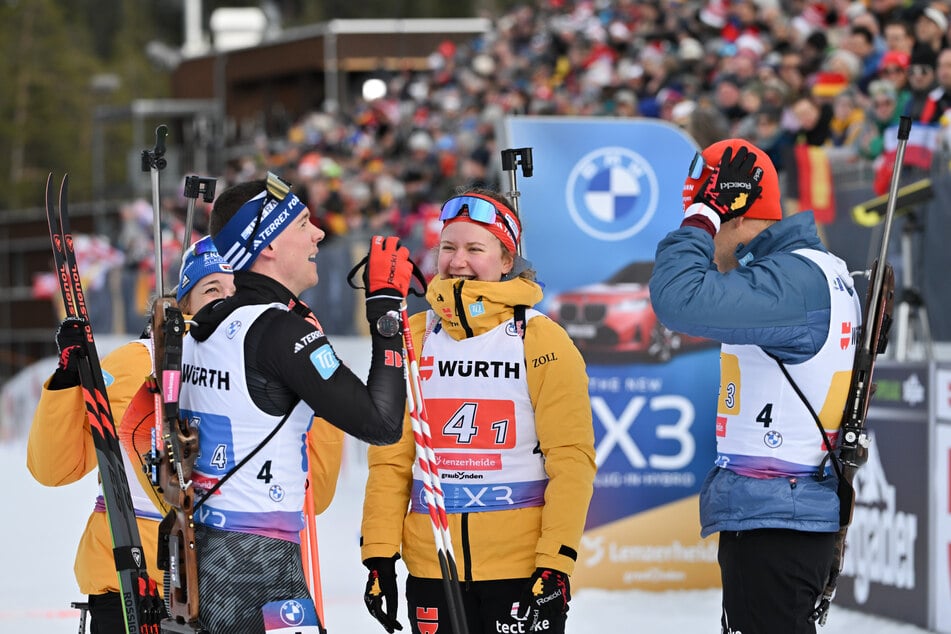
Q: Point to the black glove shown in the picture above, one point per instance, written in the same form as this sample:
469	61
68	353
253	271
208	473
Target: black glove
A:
71	345
389	270
545	599
381	588
733	185
151	606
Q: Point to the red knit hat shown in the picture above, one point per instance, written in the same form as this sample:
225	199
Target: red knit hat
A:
768	206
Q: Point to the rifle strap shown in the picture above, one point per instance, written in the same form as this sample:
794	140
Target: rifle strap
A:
845	491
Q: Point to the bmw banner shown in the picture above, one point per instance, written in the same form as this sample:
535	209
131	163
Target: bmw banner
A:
602	195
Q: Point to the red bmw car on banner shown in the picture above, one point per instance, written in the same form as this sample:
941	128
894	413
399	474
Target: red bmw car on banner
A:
614	320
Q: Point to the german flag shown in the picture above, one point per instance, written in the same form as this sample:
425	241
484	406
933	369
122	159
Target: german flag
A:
815	182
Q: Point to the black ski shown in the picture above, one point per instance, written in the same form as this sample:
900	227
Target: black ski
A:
143	609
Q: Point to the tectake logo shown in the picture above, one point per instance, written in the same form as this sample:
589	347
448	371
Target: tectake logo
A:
324	359
612	193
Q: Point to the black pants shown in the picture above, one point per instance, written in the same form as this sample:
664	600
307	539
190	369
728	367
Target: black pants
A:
772	579
105	613
488	607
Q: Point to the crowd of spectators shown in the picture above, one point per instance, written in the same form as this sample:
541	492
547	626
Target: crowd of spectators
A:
833	74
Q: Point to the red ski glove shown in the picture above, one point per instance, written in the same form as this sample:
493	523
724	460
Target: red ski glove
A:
389	270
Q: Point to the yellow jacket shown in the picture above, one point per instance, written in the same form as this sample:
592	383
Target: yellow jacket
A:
499	544
60	451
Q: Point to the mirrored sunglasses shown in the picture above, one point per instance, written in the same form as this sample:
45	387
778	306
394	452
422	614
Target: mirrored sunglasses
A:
478	209
696	166
203	246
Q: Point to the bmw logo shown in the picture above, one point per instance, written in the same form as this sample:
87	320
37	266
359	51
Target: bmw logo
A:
773	439
233	328
612	193
276	492
292	612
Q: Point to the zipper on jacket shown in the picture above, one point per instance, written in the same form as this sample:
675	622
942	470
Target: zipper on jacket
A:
457	299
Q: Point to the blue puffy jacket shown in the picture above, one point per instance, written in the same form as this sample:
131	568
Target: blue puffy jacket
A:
778	301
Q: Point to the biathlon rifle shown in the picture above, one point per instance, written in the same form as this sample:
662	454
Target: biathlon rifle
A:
873	338
174	443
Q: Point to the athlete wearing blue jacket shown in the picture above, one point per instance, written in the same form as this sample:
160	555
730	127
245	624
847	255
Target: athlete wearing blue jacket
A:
771	293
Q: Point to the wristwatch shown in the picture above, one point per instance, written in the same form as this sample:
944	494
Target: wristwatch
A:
388	325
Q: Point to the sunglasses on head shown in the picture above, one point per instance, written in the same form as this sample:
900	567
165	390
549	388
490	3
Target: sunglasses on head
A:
278	189
478	209
697	166
203	246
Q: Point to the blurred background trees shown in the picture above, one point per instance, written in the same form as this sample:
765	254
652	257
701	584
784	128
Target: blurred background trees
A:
63	58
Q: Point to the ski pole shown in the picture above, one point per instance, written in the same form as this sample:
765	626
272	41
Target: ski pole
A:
154	161
511	159
432	487
310	556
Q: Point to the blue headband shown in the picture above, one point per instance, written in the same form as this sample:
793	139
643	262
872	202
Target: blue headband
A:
264	216
200	260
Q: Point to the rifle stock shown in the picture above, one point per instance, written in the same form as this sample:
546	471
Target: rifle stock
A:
177	451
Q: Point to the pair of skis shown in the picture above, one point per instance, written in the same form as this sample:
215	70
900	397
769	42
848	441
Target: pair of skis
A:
143	608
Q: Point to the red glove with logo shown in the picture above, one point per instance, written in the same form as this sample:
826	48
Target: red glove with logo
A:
389	270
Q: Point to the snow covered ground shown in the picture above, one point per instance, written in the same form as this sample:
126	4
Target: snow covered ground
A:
37	584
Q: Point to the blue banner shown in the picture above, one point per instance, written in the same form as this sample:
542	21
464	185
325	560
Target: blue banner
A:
603	193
